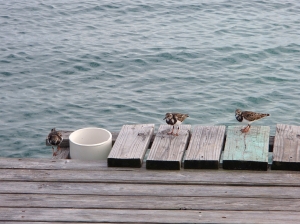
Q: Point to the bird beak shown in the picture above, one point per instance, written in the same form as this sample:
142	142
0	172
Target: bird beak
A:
164	119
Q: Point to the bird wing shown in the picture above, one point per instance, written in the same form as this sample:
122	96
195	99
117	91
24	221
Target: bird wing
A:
180	116
252	116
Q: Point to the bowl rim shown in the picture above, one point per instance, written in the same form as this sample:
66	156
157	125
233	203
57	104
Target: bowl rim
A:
97	144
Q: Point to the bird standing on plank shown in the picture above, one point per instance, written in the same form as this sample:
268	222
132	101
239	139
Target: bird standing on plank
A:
248	117
55	139
175	119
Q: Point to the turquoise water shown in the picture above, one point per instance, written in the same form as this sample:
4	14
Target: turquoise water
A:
75	64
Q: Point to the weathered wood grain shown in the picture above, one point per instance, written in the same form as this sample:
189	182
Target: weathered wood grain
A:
54	222
65	154
209	177
246	150
167	150
146	202
205	147
55	164
152	190
130	146
68	164
74	191
286	152
145	216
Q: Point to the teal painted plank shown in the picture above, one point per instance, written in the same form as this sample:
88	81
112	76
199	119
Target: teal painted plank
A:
247	151
270	159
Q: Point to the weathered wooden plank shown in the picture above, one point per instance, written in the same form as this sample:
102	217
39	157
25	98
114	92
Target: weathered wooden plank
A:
146	216
16	222
153	190
68	164
146	202
56	164
130	146
65	144
205	147
246	150
209	177
167	150
286	152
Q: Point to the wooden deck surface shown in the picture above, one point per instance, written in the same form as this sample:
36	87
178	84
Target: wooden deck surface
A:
246	151
74	191
167	150
130	146
287	148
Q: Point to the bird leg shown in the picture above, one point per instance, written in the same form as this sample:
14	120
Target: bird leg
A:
54	153
246	129
170	133
57	149
177	131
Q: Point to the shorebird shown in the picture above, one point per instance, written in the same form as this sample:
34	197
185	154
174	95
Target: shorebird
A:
175	119
248	117
55	139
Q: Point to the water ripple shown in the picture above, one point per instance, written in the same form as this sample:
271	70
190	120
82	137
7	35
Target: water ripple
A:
76	64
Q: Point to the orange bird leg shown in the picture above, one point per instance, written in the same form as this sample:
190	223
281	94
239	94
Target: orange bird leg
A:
169	133
177	131
246	129
54	153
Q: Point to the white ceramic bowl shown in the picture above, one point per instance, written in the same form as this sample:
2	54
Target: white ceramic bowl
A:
90	144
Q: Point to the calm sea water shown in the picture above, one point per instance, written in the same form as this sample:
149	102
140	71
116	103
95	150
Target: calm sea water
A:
74	64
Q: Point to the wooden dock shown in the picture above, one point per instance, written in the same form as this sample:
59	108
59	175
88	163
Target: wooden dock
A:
179	180
74	191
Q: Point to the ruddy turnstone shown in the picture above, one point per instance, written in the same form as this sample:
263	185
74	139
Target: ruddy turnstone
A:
55	139
248	117
175	119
